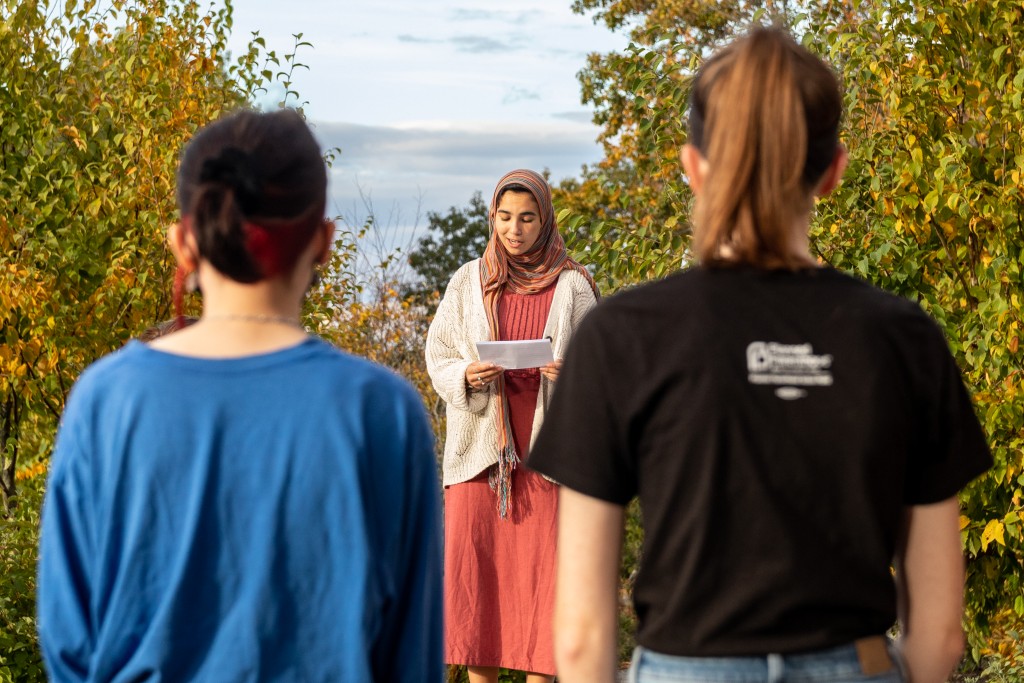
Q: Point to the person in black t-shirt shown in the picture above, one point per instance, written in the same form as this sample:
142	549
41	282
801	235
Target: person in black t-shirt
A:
791	432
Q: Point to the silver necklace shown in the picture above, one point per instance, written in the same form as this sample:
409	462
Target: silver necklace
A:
255	318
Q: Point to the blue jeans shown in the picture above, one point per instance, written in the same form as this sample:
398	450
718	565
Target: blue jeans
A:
837	665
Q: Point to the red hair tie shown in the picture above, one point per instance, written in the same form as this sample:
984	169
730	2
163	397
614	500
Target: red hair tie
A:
275	250
178	296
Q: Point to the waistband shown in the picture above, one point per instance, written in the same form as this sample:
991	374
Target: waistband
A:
873	656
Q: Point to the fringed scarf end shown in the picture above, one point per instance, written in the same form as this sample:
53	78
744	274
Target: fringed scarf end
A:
500	478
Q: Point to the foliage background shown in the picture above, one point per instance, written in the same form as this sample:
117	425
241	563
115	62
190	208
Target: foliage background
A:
96	101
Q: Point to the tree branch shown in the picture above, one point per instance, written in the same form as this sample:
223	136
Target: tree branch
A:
971	299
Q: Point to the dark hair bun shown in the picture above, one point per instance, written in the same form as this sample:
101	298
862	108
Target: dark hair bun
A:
235	169
253	188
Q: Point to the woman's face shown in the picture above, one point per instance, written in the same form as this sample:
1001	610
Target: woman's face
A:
517	222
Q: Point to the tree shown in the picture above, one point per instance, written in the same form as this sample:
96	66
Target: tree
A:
96	105
930	208
455	238
630	206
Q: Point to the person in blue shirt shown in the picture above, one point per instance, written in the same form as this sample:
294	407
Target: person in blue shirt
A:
238	500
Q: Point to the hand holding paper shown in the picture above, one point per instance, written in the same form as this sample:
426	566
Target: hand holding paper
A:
515	355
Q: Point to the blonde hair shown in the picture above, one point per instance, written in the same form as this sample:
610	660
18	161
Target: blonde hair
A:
765	113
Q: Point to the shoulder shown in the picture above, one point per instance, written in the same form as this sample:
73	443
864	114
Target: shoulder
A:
110	370
467	274
110	381
344	370
654	297
387	405
879	305
322	379
576	283
574	278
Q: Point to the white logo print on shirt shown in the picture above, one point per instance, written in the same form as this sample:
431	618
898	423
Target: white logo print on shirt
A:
788	365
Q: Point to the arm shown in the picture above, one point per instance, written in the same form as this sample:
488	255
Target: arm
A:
410	643
583	300
582	303
589	546
930	585
66	634
446	365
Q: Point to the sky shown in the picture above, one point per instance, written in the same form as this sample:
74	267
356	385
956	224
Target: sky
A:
432	100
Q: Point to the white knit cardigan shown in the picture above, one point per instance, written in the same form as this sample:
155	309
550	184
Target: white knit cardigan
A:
471	445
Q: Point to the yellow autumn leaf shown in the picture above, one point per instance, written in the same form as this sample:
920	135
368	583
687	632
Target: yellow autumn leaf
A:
964	521
994	531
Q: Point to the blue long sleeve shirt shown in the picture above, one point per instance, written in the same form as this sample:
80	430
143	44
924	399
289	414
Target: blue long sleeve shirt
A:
266	518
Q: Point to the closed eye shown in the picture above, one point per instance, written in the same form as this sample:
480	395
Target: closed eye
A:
525	217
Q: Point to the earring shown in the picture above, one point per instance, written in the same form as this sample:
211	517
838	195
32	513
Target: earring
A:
192	282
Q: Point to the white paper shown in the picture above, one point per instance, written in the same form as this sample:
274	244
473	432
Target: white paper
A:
515	355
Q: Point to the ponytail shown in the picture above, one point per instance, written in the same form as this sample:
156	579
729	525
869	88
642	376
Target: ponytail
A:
765	114
223	238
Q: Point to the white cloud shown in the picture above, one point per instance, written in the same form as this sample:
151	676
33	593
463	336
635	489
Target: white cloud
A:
438	99
480	44
581	116
385	62
431	167
407	38
517	94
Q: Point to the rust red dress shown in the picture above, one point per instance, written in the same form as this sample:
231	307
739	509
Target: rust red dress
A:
500	574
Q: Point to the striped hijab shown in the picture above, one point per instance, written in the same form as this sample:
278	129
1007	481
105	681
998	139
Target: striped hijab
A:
529	273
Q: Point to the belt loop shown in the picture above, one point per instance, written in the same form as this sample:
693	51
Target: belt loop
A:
873	655
634	666
776	668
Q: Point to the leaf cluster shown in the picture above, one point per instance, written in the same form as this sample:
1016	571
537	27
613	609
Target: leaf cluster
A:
931	208
20	659
96	101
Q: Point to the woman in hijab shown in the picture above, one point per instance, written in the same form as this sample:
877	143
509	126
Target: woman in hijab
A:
499	516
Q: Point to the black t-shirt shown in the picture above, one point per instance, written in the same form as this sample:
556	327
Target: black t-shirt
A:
774	424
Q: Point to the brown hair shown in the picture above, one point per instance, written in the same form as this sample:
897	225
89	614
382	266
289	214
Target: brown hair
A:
166	327
765	113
